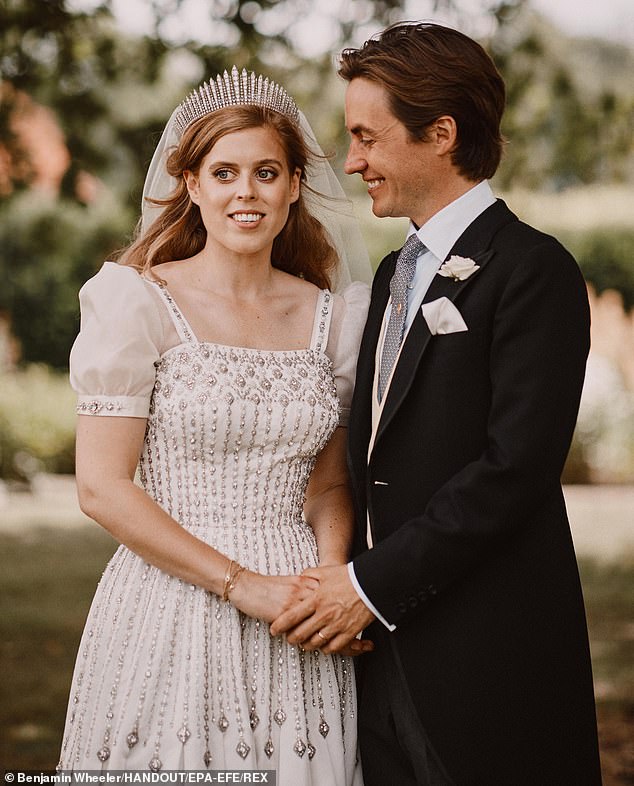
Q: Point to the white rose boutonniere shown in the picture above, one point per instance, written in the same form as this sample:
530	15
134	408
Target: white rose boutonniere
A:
458	268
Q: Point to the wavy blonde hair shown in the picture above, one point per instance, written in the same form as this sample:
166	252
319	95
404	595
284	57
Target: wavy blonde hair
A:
302	248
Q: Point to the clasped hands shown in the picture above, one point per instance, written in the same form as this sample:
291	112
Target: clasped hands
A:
329	618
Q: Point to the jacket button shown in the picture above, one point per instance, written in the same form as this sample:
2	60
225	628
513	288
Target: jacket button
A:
402	608
413	601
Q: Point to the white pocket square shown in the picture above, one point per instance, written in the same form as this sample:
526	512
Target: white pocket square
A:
443	317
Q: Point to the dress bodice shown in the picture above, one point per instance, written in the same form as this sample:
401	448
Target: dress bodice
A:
233	433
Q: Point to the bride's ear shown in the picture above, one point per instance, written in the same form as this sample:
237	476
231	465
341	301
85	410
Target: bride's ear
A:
193	185
295	185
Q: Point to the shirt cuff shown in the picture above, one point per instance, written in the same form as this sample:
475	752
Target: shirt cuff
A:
365	599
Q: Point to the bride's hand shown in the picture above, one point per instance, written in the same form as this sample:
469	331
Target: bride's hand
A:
266	597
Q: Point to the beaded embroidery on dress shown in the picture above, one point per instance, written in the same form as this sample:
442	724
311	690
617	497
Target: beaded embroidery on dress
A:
168	675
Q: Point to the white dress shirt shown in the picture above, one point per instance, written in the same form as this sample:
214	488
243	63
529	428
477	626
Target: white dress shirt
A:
439	234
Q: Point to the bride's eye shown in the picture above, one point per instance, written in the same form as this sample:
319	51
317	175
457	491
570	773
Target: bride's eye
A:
266	174
222	174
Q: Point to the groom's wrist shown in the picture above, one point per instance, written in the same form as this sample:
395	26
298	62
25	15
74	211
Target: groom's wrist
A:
366	601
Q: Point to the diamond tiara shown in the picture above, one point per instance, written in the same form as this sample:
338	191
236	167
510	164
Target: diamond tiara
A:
238	89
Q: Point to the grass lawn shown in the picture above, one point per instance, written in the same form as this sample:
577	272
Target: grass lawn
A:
47	579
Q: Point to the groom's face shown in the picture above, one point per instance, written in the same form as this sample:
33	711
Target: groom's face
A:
402	174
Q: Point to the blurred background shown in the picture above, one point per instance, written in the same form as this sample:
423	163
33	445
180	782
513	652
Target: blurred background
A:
85	89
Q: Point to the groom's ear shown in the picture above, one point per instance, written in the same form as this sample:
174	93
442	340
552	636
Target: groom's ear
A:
444	134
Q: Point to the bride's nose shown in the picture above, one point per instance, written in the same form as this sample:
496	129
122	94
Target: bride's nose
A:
246	188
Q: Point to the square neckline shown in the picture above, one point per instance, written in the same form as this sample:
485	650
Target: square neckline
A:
318	339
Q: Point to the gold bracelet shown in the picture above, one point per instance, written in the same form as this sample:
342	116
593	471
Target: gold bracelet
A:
225	586
234	570
234	579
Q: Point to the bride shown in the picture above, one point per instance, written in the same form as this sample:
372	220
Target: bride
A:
214	359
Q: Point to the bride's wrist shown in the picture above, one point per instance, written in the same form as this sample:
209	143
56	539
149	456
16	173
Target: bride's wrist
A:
240	588
233	573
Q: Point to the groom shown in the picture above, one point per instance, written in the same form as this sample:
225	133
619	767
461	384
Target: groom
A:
468	385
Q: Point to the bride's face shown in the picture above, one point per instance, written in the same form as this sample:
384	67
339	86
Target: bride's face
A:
244	190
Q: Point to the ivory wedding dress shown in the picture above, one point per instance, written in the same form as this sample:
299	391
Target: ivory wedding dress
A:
168	676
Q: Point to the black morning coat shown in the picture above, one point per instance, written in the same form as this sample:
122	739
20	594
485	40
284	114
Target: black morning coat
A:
473	558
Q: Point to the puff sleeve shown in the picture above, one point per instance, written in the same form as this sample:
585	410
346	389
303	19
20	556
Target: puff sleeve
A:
348	321
112	360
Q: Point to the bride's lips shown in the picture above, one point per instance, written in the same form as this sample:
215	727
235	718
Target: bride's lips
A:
247	217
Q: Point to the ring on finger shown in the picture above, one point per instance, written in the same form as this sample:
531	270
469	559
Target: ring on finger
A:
321	636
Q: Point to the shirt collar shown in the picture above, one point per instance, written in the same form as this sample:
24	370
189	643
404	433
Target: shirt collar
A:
441	231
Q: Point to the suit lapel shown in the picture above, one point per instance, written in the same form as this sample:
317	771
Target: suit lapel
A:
360	425
378	304
474	243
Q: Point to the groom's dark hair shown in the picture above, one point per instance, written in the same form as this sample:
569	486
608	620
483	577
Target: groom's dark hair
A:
429	71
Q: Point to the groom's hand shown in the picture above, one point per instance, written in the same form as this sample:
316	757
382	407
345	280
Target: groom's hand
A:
330	619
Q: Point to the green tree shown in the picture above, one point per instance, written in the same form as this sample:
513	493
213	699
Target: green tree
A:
565	125
49	248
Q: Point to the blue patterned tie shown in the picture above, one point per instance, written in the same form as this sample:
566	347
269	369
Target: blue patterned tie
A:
402	278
